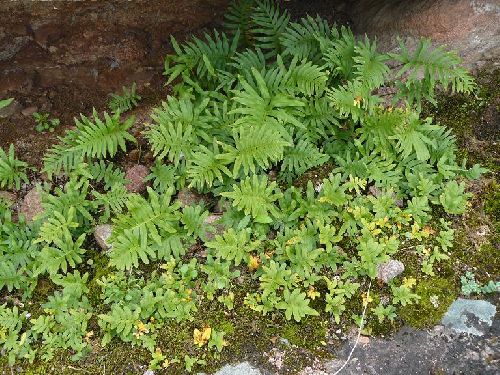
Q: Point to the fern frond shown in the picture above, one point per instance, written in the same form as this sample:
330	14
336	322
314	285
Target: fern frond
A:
205	167
239	17
255	197
89	140
105	171
339	57
164	177
128	248
301	40
269	26
12	170
125	101
171	141
112	202
233	246
301	157
255	149
370	65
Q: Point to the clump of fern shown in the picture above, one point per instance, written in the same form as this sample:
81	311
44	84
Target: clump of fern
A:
12	170
125	101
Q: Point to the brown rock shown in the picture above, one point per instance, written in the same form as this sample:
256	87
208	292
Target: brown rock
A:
102	233
47	34
136	175
32	205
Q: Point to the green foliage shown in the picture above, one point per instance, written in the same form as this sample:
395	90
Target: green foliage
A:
44	124
358	183
12	170
471	286
128	100
90	139
6	102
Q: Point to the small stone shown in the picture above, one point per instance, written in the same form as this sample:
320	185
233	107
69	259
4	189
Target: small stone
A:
136	176
188	197
52	49
8	197
469	316
32	205
389	270
102	234
243	368
149	372
28	111
364	340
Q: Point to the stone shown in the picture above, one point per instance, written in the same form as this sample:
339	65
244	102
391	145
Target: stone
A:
389	270
13	108
469	316
47	34
189	197
28	111
136	175
149	372
101	234
8	197
243	368
32	205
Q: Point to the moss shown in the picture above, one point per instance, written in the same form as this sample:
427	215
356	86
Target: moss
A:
426	314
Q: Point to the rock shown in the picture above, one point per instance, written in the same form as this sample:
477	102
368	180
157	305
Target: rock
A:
101	234
243	368
136	176
149	372
8	197
13	108
212	227
469	316
28	111
47	34
32	205
389	270
189	197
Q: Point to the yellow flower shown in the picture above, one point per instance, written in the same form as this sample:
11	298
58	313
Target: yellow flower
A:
200	338
366	299
312	293
254	263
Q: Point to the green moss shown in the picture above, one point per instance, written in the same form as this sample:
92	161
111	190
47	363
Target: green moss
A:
436	295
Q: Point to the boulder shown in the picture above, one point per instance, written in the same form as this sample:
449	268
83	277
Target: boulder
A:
389	270
101	234
136	175
31	205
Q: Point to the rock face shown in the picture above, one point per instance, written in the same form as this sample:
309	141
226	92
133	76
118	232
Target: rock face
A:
469	316
32	205
102	234
469	26
136	175
389	270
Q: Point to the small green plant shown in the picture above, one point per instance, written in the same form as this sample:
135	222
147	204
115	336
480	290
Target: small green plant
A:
44	124
125	101
6	102
12	170
471	286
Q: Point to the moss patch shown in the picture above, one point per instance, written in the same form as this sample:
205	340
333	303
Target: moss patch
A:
436	295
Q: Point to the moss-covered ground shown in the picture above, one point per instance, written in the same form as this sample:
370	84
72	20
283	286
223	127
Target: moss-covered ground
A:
249	335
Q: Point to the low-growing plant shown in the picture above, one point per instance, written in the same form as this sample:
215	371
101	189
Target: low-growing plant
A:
471	286
125	101
44	123
253	109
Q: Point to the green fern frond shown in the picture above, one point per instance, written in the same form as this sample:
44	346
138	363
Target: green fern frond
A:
339	57
111	202
171	141
269	26
125	101
370	65
301	40
12	170
206	166
307	78
255	197
239	17
165	176
106	172
97	139
301	157
128	248
233	246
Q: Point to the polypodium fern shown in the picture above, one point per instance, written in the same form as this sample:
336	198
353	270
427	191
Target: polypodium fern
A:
12	170
126	101
255	197
97	139
269	26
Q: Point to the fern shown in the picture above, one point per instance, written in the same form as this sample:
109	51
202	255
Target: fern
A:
12	170
206	166
300	158
255	197
269	26
370	65
124	102
233	246
98	139
238	18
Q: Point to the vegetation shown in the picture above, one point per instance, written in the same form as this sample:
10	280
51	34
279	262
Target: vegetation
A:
44	124
254	108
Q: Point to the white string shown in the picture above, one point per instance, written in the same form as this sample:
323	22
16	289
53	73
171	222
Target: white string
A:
359	332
